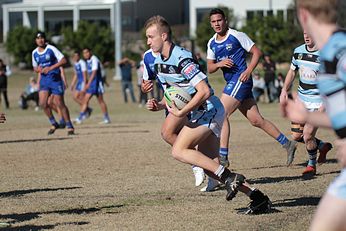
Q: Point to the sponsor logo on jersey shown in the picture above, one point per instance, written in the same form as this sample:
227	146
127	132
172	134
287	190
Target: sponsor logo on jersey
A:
229	46
47	57
300	56
190	71
171	70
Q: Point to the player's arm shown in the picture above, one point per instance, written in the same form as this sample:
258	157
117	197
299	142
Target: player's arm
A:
154	105
288	81
74	80
212	64
295	110
91	78
256	55
63	77
202	94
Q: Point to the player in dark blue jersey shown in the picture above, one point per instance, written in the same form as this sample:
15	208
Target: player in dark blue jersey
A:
227	51
93	87
176	66
47	60
306	61
318	19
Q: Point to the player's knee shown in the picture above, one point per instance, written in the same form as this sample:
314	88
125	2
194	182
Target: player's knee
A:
43	104
168	136
257	122
177	153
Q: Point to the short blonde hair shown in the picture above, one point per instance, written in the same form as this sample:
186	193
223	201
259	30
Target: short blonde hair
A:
162	25
323	10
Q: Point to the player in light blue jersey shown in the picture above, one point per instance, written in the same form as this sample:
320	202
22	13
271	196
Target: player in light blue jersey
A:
93	87
46	61
176	66
306	61
172	124
318	19
227	51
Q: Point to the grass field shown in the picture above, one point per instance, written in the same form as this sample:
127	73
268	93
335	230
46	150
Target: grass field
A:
121	176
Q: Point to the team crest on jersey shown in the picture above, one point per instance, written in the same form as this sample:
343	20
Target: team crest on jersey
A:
229	46
300	56
47	57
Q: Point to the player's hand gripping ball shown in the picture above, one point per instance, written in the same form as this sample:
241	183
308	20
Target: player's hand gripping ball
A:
178	95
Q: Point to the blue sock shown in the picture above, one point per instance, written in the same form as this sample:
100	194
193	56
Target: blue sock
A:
282	139
312	157
52	120
69	124
223	152
82	115
62	121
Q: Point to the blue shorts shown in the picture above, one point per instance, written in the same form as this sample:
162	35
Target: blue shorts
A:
96	88
338	187
55	86
79	86
239	90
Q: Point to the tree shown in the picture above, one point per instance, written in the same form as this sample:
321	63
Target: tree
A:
20	43
92	35
204	31
274	35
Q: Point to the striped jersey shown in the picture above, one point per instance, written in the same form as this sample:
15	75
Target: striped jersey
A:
332	80
307	63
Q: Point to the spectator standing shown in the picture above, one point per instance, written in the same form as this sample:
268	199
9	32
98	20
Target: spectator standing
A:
126	66
269	77
4	73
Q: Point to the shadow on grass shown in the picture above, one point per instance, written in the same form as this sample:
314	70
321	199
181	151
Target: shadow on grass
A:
328	161
21	217
43	227
294	202
112	132
270	180
17	193
33	140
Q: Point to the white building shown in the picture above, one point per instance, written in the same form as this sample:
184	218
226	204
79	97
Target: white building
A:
243	9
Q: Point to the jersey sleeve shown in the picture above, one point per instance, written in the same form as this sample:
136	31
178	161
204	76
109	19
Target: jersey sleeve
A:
341	67
245	41
33	60
210	52
94	64
190	70
83	66
148	74
59	56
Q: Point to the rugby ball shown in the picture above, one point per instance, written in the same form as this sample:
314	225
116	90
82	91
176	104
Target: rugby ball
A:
178	95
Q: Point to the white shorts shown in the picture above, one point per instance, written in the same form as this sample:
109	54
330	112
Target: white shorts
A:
211	116
338	187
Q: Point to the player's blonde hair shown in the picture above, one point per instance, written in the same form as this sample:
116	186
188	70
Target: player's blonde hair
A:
323	10
162	25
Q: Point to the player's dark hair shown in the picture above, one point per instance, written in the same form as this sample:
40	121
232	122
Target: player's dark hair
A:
217	11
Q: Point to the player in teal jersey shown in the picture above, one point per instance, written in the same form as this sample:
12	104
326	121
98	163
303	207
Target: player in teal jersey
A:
305	60
318	19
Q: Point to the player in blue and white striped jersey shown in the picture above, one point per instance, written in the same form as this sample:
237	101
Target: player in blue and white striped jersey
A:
176	66
306	61
227	51
46	61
